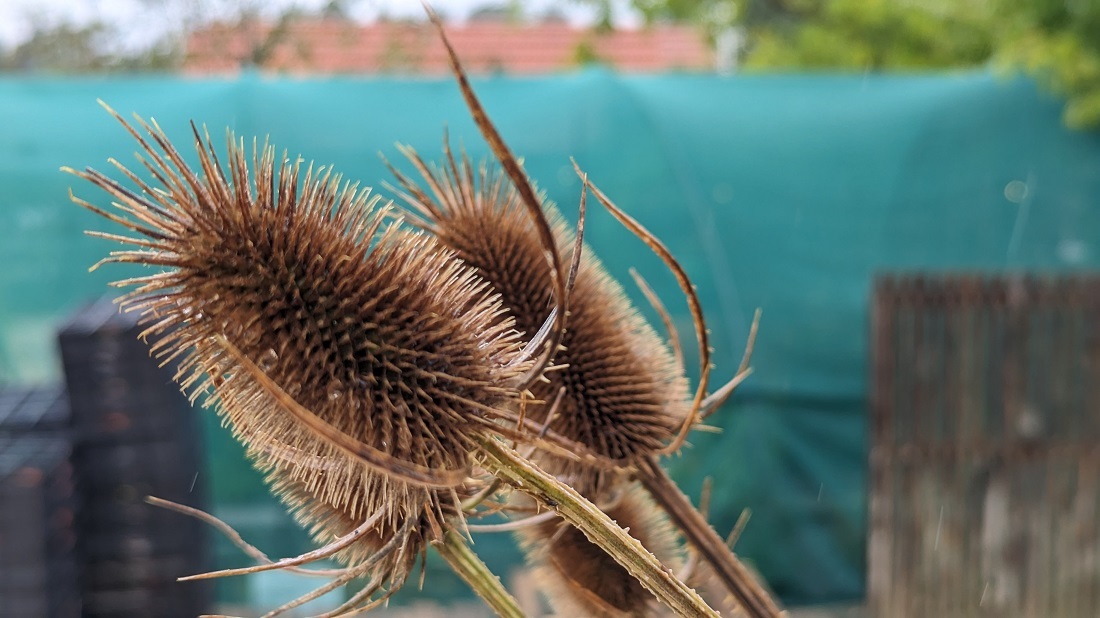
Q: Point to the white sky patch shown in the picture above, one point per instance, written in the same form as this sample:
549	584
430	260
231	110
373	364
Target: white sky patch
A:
141	22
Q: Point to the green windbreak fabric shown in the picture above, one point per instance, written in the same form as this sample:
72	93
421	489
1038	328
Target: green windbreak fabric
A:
785	193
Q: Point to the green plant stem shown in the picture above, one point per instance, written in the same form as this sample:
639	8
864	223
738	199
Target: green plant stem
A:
473	571
752	597
507	465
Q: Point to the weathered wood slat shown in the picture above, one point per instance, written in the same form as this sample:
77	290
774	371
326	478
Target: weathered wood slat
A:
985	447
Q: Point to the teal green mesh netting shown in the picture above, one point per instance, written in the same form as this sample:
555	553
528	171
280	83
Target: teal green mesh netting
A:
785	193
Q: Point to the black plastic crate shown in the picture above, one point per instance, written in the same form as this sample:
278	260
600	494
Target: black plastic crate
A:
166	600
42	576
117	391
134	435
126	408
38	571
55	604
165	463
156	571
132	545
125	508
106	535
37	499
24	604
36	410
115	520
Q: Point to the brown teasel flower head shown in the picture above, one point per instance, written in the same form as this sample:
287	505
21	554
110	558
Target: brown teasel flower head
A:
290	283
580	579
625	393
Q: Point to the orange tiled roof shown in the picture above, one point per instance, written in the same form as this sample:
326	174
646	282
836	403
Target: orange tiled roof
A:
334	46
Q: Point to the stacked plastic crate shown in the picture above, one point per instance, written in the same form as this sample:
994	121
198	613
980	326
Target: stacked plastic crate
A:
38	501
134	436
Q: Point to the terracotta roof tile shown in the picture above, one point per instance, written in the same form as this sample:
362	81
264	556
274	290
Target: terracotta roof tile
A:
329	46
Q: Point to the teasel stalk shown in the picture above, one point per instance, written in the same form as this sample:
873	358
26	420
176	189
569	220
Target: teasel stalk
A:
596	526
364	368
581	579
625	392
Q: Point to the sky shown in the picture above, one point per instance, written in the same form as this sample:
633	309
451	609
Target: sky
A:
143	21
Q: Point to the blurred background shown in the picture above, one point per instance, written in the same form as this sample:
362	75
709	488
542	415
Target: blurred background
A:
910	191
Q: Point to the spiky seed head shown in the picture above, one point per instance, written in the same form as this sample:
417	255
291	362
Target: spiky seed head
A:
379	332
580	578
625	393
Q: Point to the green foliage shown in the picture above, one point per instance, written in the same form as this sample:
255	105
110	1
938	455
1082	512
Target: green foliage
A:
713	16
62	49
59	49
68	49
1058	42
869	35
585	54
1055	41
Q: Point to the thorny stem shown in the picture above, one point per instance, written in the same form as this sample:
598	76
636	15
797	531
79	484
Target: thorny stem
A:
472	570
506	464
752	597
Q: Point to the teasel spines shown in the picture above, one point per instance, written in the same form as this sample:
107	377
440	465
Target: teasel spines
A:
292	291
625	394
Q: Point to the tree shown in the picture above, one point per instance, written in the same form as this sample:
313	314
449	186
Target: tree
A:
1055	41
69	49
58	49
1058	42
868	35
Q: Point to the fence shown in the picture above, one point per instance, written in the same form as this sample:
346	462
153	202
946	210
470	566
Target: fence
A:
985	447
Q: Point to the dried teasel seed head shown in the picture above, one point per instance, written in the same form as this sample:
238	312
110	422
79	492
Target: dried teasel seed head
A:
625	394
580	579
280	283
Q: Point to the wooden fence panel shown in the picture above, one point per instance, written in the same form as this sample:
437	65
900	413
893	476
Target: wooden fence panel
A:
985	447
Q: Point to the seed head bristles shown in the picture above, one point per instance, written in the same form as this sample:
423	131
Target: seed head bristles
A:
323	335
624	392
